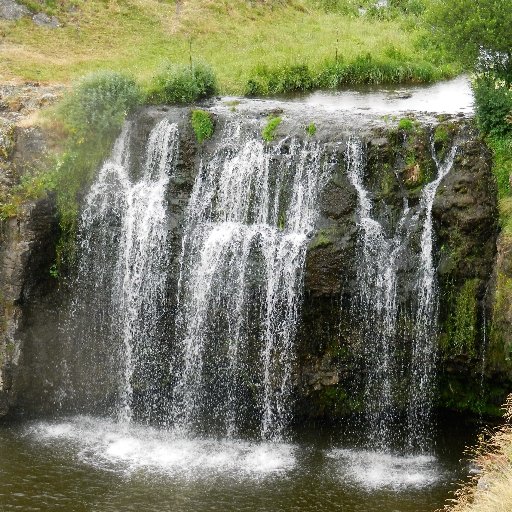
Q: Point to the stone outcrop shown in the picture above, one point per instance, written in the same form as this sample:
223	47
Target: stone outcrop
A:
28	230
13	11
398	164
27	251
10	10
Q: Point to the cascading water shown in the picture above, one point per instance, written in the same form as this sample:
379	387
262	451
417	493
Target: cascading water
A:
377	308
376	303
252	211
226	365
423	361
122	274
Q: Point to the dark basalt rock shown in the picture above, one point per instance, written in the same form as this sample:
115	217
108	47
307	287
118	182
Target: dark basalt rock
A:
27	251
398	166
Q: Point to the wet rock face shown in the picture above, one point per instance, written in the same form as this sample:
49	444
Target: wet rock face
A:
27	251
465	210
27	240
465	220
398	164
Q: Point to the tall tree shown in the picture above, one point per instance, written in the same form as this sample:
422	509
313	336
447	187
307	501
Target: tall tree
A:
478	32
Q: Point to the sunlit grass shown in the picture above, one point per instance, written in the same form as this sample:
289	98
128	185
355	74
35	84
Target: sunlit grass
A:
491	491
136	36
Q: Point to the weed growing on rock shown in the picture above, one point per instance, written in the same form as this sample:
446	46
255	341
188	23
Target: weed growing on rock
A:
269	131
406	125
311	129
202	124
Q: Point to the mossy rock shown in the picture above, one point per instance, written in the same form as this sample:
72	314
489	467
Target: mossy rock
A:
7	141
461	331
322	239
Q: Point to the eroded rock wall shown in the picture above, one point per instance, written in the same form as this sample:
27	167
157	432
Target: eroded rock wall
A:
398	164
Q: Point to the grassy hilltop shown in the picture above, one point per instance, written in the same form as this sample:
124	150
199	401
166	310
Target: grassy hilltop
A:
240	39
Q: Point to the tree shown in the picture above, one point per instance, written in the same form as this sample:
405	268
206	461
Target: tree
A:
477	32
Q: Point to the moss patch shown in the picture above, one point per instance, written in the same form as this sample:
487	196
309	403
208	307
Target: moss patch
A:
461	325
202	124
322	239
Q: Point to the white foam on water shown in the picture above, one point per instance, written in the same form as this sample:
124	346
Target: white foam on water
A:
373	470
109	445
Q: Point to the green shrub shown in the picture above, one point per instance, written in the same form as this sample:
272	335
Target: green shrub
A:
269	131
99	103
183	84
264	80
406	124
493	105
93	115
502	163
311	129
202	124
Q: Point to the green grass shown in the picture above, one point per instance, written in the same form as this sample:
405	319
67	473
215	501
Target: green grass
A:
202	124
269	131
501	147
236	37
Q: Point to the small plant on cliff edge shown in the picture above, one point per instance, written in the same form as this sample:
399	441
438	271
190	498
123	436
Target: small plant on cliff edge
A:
269	131
406	125
202	124
311	129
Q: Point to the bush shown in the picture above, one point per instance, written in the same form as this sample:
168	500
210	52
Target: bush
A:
311	129
406	124
269	132
502	164
93	114
264	80
99	103
183	84
493	105
202	124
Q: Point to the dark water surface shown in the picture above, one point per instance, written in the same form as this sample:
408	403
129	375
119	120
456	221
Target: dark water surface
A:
90	464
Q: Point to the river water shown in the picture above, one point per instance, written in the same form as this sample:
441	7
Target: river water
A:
89	464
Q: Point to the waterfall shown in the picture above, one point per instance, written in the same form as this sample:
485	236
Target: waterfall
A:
376	306
248	223
423	361
224	363
123	261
